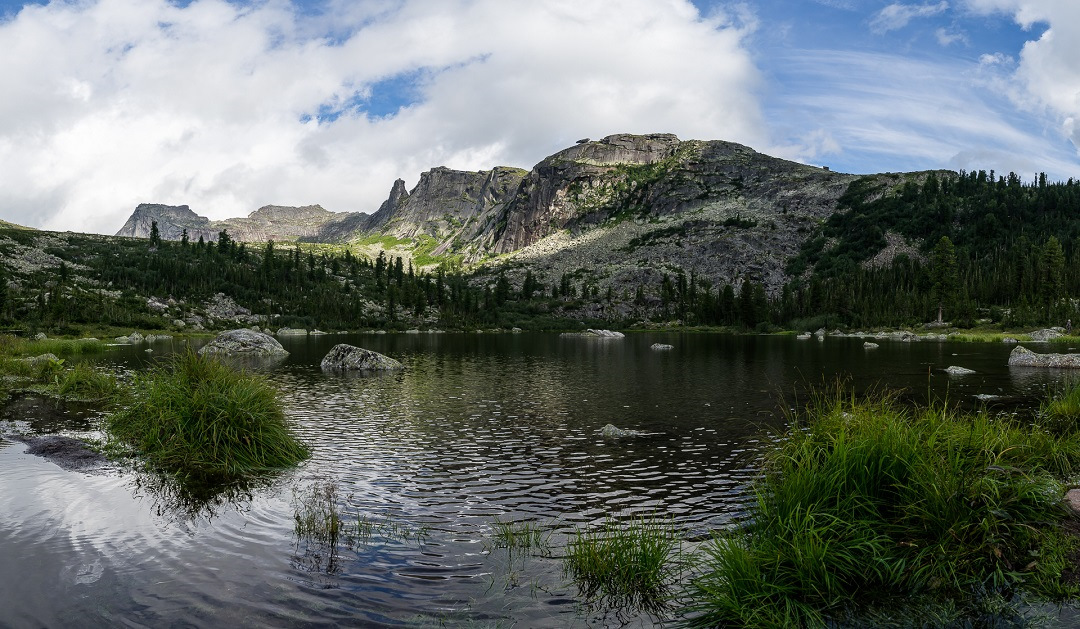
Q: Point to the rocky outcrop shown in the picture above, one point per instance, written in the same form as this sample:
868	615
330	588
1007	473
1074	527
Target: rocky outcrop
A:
270	222
343	357
1023	357
244	343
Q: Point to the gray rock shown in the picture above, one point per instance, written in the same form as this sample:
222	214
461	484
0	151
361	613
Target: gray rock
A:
1072	499
68	453
611	431
344	357
134	337
37	361
661	346
244	343
1023	357
291	331
178	323
598	334
803	337
869	345
1008	340
40	336
953	370
1041	336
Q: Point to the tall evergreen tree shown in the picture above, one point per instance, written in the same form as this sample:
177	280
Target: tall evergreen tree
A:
944	276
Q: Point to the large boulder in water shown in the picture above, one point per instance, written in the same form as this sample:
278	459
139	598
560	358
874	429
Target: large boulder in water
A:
344	357
244	343
1023	357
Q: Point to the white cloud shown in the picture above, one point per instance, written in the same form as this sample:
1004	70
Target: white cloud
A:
947	38
897	15
1048	72
109	103
888	112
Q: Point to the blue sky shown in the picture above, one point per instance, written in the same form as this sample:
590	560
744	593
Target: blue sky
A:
227	106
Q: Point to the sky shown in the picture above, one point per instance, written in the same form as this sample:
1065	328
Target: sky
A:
227	106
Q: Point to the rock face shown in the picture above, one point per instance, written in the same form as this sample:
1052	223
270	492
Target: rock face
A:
343	357
244	343
1023	357
271	222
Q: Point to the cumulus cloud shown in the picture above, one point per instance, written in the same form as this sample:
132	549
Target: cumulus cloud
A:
227	106
1047	75
898	15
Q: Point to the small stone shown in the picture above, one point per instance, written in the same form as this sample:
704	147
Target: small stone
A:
958	371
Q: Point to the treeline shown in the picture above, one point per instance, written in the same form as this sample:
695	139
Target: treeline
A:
294	286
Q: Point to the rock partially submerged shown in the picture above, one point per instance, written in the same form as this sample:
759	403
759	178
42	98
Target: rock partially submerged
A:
244	342
599	334
953	370
68	453
611	431
344	357
869	345
661	346
1023	357
291	332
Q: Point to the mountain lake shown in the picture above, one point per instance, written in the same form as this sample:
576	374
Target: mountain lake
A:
479	429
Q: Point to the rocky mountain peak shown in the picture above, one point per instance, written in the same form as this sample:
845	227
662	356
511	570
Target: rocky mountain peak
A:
621	148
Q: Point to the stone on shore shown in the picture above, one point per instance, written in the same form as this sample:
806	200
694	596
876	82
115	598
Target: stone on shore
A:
344	357
244	342
1023	357
291	331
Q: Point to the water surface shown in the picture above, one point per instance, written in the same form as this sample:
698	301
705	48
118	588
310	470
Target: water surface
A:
478	427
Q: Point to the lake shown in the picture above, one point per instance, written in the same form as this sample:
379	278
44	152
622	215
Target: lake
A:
479	428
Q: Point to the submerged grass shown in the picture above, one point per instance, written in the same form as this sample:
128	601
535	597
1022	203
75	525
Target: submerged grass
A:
869	500
202	421
627	563
522	535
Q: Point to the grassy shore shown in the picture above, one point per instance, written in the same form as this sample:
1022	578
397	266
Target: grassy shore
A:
914	509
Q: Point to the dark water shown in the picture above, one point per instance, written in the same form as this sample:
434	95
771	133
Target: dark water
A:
479	427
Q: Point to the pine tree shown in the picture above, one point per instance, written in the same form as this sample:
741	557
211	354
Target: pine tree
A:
943	275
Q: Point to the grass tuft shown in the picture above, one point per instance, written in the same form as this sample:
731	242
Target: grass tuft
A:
627	563
202	421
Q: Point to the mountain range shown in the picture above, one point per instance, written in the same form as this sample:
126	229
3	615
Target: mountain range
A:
621	210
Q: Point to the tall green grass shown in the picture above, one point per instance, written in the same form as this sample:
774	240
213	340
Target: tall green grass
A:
630	563
202	421
869	501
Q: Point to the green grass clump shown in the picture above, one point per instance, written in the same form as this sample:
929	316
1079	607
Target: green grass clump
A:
523	535
870	501
628	563
987	337
83	381
202	421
